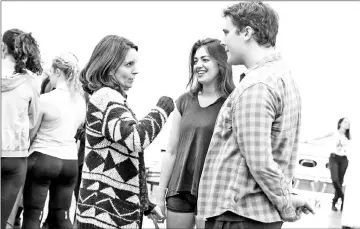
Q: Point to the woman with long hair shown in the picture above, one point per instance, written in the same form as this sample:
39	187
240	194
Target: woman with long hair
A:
193	123
113	191
338	160
20	108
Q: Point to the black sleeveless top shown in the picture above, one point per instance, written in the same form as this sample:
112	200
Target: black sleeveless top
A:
196	129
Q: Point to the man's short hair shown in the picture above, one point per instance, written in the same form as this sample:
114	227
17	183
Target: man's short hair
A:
257	15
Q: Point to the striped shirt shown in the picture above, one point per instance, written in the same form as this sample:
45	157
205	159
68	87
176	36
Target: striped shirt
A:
252	155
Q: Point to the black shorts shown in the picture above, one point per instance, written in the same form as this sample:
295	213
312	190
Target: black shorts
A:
183	202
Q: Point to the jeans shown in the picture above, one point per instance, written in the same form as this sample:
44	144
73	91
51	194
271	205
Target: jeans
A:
47	173
13	173
231	220
338	165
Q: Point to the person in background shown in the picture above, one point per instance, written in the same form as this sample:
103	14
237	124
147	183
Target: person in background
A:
45	84
338	160
52	164
193	123
20	108
45	87
80	141
113	190
248	170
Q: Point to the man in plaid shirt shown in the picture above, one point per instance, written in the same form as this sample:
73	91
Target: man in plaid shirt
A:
246	180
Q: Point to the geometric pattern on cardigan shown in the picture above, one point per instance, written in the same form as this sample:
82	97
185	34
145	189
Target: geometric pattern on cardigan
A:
110	195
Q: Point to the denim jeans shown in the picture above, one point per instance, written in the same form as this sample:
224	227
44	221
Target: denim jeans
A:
338	165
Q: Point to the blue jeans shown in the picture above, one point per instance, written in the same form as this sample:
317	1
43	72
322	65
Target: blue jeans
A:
47	173
13	173
338	165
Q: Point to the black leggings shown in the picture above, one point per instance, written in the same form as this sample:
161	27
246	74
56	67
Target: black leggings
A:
13	173
338	165
47	173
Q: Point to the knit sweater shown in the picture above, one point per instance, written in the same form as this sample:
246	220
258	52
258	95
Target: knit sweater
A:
113	191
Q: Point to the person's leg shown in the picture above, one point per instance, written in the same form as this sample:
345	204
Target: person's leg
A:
200	223
334	171
18	213
14	211
180	212
44	168
13	173
77	189
61	191
77	186
342	170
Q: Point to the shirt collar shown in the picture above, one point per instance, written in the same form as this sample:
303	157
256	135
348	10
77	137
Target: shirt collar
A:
242	76
272	57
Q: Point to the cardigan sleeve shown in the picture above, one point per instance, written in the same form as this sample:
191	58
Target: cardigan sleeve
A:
120	125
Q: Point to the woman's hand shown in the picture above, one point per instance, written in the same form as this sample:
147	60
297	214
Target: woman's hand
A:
156	216
160	200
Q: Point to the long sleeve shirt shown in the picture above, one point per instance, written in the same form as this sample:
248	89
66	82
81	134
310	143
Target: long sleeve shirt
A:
252	155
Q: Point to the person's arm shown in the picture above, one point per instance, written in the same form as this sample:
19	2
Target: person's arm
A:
34	106
119	125
80	132
34	130
253	116
168	161
319	138
35	114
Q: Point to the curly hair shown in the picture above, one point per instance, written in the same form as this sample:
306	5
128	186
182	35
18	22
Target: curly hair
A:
68	64
25	50
217	52
257	15
106	58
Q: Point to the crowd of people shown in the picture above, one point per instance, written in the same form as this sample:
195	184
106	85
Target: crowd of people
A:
231	154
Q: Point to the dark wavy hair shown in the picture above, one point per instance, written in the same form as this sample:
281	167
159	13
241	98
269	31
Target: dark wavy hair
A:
217	52
25	50
257	15
106	58
347	132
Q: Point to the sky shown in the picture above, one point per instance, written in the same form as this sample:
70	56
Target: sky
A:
319	40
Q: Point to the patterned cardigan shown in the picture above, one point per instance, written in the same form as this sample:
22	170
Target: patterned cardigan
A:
113	191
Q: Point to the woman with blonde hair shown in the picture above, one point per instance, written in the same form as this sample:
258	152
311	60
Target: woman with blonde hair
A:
52	164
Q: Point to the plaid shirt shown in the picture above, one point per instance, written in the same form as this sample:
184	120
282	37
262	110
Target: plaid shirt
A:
252	155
